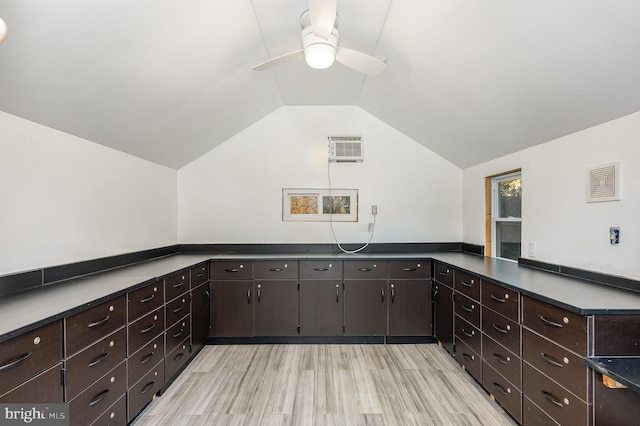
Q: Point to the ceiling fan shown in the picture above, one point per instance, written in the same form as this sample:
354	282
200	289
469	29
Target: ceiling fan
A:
320	39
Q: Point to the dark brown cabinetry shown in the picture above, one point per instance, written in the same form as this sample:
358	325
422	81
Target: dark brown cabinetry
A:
232	299
321	298
200	315
276	307
409	298
443	305
365	298
468	331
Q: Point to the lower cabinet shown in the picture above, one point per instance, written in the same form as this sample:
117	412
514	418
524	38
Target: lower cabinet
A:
276	308
321	308
443	315
95	400
200	315
365	307
142	392
232	308
410	311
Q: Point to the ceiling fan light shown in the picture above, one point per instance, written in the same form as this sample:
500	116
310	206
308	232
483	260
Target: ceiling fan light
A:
320	56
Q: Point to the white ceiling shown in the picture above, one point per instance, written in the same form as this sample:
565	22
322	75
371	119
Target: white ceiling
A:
168	80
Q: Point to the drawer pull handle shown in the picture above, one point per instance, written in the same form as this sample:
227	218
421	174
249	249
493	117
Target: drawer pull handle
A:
178	309
468	309
551	398
499	358
444	274
365	269
320	269
200	274
550	360
232	270
179	333
148	329
17	362
249	297
99	323
148	386
466	284
498	329
178	285
498	299
276	270
259	292
500	388
393	293
466	333
382	294
147	358
337	293
99	359
550	323
148	299
178	357
102	395
409	269
468	357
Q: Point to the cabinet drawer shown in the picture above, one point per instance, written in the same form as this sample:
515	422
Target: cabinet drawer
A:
365	269
94	401
320	269
89	326
141	393
44	388
115	415
507	395
467	284
145	329
560	404
232	270
409	269
144	300
177	309
502	300
199	274
177	333
563	327
276	270
556	362
502	330
468	334
176	359
532	415
29	354
468	309
443	273
503	361
142	361
94	362
471	361
175	285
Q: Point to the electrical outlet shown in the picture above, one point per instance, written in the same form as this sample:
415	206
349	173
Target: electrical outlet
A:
532	249
374	210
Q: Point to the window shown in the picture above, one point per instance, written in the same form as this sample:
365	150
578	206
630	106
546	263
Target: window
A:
505	213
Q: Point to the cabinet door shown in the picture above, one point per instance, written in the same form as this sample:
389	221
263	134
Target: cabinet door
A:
232	313
365	307
200	298
409	307
276	308
321	305
443	327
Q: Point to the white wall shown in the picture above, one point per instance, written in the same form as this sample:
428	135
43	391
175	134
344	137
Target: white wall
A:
65	199
566	229
233	194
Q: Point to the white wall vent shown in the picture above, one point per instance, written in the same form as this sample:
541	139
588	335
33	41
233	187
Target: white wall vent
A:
603	183
345	149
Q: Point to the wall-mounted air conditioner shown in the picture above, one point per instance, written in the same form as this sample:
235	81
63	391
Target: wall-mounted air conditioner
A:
345	149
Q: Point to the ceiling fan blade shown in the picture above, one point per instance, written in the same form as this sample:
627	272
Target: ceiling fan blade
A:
322	14
278	60
360	61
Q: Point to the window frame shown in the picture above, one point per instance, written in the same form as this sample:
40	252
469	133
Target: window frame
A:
492	207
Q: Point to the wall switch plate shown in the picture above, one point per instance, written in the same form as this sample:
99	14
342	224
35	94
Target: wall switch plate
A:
532	249
374	209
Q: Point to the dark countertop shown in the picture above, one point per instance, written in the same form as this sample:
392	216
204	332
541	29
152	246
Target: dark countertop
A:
625	370
25	311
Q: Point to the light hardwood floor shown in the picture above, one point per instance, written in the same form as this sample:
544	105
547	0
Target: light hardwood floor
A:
323	385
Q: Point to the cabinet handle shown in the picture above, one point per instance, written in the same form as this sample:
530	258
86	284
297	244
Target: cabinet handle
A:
409	269
200	274
207	296
500	358
321	269
444	274
178	285
178	357
276	269
178	309
550	323
498	299
365	269
259	292
468	357
99	323
99	359
382	294
468	309
17	362
148	329
466	284
232	270
249	297
466	333
102	395
147	358
551	398
500	388
393	293
435	295
179	333
498	329
148	299
148	386
550	360
337	293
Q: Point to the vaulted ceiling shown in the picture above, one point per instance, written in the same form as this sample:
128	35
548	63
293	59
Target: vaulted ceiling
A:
168	80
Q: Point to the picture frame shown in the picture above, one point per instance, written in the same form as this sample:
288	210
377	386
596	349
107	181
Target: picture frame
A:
319	205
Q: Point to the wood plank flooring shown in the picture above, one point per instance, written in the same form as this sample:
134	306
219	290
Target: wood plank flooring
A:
323	385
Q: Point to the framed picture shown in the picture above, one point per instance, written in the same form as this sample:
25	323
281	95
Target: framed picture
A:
319	205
